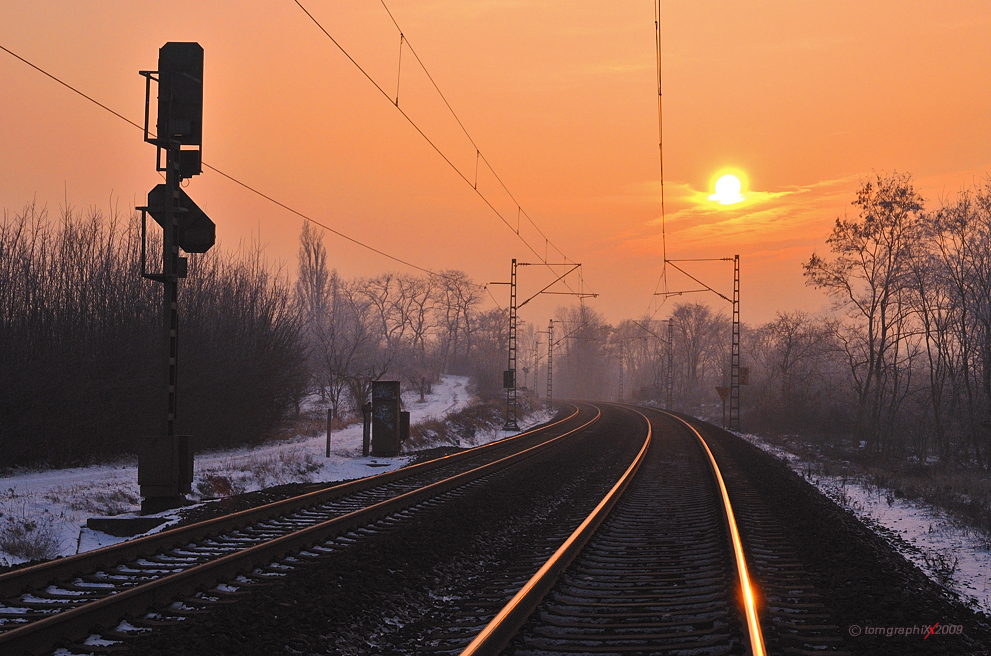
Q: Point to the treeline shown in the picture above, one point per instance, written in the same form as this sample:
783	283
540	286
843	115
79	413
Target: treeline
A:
901	368
914	289
81	369
405	327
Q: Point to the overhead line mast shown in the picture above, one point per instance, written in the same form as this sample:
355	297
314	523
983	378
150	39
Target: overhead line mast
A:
734	398
509	376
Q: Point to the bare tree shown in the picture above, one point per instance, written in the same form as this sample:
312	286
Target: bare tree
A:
866	278
701	352
458	301
313	290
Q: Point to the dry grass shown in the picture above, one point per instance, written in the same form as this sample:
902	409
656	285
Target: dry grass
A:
942	564
31	538
432	432
241	474
459	428
115	500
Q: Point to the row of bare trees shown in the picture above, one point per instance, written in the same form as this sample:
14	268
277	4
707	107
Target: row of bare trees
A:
81	371
902	365
403	326
913	286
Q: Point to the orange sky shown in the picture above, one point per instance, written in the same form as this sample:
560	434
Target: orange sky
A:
806	98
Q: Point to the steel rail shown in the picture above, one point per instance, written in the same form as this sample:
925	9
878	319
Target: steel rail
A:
753	622
500	631
76	623
36	576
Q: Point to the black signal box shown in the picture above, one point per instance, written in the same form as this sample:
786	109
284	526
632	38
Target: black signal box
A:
509	378
180	94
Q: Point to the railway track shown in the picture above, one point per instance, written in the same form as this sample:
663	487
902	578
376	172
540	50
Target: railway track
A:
664	565
62	601
688	554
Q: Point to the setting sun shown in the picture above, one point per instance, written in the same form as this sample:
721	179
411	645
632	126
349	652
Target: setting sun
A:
727	190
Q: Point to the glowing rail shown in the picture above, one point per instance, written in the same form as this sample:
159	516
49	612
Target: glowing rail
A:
497	634
753	624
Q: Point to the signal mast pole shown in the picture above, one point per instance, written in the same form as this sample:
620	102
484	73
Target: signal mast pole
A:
165	461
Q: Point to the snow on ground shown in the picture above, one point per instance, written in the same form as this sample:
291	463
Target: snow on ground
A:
949	552
47	510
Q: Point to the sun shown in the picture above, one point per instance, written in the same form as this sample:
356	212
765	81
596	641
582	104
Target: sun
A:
727	190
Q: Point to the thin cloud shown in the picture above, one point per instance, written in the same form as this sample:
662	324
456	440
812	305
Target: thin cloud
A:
794	217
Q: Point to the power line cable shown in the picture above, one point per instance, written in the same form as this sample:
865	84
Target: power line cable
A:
465	130
234	179
478	154
660	151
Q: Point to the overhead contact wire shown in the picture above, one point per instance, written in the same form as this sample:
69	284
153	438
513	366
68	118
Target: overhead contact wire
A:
409	119
660	154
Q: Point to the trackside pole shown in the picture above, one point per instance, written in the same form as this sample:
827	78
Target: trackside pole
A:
509	377
366	428
734	376
550	363
669	392
330	418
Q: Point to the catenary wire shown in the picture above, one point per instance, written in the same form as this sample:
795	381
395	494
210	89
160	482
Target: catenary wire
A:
660	152
433	145
465	131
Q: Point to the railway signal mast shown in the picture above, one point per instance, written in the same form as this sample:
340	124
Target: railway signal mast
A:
165	461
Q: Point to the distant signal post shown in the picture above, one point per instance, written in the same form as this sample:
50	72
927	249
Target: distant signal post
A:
165	461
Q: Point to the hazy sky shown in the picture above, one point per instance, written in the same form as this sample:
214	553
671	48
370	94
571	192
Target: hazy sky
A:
803	98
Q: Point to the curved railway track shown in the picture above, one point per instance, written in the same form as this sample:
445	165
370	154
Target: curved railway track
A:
662	567
685	555
63	600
